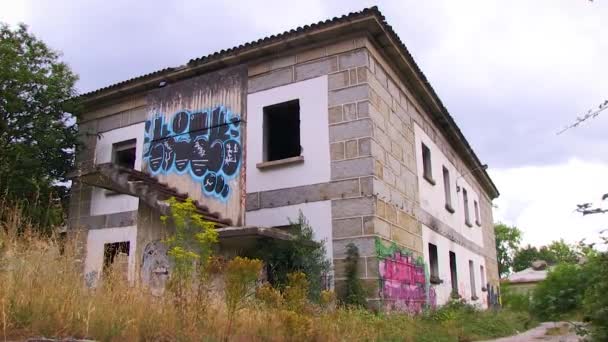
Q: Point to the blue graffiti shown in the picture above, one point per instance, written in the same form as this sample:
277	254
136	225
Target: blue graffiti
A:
204	144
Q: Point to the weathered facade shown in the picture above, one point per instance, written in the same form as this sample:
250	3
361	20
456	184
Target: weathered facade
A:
334	120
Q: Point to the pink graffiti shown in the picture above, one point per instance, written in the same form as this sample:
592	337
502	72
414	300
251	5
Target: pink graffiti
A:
404	284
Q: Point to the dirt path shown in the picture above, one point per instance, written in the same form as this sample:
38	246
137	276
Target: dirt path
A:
549	331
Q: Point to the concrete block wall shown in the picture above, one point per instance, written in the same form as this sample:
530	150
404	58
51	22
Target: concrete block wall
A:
371	114
353	205
395	104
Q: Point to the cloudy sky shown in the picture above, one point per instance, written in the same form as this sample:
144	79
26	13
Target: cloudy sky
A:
512	73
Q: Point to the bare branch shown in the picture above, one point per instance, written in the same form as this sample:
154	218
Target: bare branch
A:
591	114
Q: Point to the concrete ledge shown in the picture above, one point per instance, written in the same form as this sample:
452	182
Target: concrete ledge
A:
280	162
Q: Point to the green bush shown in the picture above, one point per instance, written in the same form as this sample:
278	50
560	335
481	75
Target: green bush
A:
515	300
302	254
560	295
595	304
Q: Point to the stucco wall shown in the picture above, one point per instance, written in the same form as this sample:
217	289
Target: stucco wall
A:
432	196
96	240
314	136
101	202
463	255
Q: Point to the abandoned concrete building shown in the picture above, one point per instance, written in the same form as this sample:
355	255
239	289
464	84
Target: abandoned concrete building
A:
333	119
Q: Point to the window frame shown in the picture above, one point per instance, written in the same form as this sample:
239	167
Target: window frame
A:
447	190
467	214
124	145
434	266
453	273
268	112
427	165
477	217
482	277
472	280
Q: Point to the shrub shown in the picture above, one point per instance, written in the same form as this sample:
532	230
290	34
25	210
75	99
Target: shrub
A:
190	250
302	253
560	295
270	296
595	304
353	294
514	300
241	276
296	291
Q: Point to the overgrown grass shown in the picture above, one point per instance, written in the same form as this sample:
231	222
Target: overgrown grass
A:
42	293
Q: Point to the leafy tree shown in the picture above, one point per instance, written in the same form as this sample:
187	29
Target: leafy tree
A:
555	253
302	253
563	252
524	257
37	136
508	239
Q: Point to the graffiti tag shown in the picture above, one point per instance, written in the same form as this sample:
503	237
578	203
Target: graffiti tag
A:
204	144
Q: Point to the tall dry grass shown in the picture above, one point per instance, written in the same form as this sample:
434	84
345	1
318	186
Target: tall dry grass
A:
42	293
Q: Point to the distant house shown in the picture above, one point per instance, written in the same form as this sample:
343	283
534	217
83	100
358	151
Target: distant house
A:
526	280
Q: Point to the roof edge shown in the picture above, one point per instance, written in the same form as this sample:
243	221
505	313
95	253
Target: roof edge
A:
244	52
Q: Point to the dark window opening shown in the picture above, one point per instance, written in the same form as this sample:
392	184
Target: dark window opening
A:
427	171
482	277
453	273
123	154
112	252
447	190
434	263
467	218
477	221
472	276
282	131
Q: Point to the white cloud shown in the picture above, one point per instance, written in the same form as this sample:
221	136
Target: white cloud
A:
14	12
540	200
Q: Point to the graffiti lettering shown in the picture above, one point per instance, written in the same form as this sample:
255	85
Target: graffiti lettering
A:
205	144
404	280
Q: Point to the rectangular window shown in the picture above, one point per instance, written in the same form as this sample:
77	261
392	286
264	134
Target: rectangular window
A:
467	218
116	254
282	131
473	285
124	154
427	171
447	190
434	263
453	273
477	221
482	276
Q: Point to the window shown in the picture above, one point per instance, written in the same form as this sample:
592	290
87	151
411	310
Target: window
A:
427	171
467	218
116	254
472	276
453	273
123	154
482	277
433	261
446	189
477	221
282	131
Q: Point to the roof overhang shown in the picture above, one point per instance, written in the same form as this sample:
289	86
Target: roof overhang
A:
369	22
